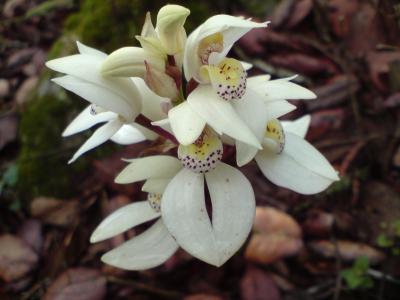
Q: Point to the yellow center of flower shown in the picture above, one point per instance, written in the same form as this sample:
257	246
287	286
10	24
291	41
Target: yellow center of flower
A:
203	155
274	136
211	43
228	78
154	201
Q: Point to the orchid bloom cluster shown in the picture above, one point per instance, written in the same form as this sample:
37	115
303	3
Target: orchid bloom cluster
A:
188	90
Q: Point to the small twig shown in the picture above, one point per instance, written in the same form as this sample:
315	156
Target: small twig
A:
146	288
142	120
338	282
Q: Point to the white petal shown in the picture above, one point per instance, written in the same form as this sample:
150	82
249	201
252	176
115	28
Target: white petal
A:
300	167
233	209
220	115
83	49
123	219
184	213
132	134
85	120
278	108
151	102
87	68
185	123
247	66
298	127
284	89
155	185
255	113
100	136
256	81
158	166
147	250
98	95
244	153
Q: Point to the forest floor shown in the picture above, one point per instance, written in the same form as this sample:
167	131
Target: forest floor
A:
340	244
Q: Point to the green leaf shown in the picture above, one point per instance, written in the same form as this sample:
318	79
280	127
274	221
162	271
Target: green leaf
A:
384	241
48	6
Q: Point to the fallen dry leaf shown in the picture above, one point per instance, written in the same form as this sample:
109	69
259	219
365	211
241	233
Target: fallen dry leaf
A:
335	92
31	233
16	258
258	285
77	284
25	90
202	297
347	250
318	223
303	64
275	235
55	211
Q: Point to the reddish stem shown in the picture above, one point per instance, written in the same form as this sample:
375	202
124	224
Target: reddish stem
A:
142	120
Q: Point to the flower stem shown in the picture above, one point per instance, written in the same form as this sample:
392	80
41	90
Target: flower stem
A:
142	120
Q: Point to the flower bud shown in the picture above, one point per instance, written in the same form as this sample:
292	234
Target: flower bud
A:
130	62
170	20
161	83
149	41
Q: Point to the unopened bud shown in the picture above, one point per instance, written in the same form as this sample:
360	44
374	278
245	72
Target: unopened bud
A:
130	62
170	21
161	83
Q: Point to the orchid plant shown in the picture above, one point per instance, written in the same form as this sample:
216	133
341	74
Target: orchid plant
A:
187	91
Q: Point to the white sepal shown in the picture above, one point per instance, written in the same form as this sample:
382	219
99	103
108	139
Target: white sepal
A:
147	250
220	115
299	126
86	120
158	166
185	123
123	219
300	167
100	136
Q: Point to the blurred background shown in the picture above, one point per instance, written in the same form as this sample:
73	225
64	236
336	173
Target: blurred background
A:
340	244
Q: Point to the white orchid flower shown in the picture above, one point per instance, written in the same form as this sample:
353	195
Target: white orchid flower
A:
155	245
115	101
211	41
273	93
289	161
222	100
183	206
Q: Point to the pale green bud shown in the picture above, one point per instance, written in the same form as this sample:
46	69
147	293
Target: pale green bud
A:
170	21
130	62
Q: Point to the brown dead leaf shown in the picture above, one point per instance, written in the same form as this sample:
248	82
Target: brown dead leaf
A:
379	62
4	88
31	233
77	284
202	297
353	20
8	129
275	235
16	258
347	250
318	223
335	92
25	90
289	13
55	211
303	64
258	285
